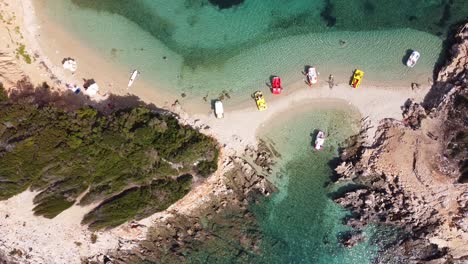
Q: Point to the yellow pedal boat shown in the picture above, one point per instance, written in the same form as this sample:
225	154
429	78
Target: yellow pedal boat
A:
357	78
260	100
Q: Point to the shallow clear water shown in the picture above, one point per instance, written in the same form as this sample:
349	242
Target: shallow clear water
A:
193	47
300	223
209	50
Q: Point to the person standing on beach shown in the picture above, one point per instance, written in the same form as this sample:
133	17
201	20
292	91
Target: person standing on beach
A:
331	81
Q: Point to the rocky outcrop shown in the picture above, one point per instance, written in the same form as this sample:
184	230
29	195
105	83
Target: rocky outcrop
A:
10	72
453	74
448	101
411	178
223	224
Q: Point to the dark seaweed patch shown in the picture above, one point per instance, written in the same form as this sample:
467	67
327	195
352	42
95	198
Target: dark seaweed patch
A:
369	7
326	14
432	18
445	16
300	20
225	4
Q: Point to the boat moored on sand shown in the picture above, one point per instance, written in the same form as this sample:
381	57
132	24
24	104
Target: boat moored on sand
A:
276	85
319	140
413	58
132	78
260	100
311	76
357	78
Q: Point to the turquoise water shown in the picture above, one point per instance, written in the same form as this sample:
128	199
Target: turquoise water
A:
208	50
301	223
194	47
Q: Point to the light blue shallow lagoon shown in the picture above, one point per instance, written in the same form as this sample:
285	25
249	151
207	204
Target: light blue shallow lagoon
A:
197	48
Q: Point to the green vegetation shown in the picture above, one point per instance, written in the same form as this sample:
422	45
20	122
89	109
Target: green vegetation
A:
21	51
138	201
132	159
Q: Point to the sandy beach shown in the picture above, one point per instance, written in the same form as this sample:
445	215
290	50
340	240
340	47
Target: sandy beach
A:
63	239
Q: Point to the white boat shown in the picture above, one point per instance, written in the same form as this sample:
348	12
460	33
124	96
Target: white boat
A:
311	75
413	58
92	90
133	77
319	140
70	64
219	110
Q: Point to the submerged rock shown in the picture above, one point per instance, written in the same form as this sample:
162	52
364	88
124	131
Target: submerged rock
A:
225	4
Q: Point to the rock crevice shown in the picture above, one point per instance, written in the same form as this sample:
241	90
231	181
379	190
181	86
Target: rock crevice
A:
411	177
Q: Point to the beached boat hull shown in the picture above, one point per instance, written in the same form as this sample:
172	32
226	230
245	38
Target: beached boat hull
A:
132	78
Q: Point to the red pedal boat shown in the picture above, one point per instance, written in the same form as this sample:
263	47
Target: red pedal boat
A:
276	85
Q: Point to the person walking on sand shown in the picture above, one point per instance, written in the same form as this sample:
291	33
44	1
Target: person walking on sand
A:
331	81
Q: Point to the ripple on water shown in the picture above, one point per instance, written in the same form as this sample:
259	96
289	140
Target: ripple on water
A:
236	49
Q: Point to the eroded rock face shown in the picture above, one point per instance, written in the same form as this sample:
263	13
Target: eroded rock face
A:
409	178
454	74
448	100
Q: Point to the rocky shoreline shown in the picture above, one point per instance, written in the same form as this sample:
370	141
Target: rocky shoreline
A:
223	226
412	178
400	183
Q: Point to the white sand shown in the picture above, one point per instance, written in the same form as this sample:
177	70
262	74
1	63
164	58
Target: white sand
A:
42	240
64	240
239	127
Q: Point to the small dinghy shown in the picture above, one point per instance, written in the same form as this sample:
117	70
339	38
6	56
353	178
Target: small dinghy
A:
319	140
413	58
133	77
311	76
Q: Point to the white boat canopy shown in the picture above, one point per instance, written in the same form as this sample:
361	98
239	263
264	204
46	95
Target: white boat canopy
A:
219	109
